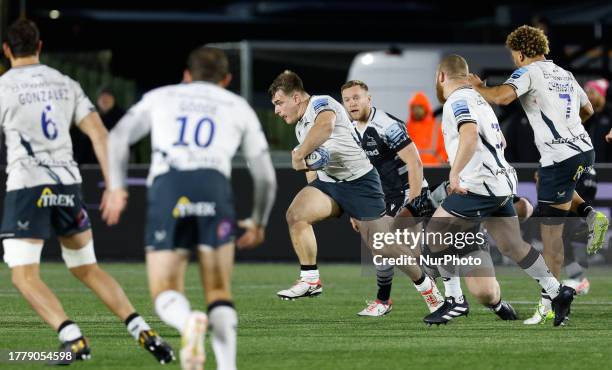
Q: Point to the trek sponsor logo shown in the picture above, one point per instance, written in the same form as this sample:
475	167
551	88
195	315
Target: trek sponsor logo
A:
563	140
185	208
49	199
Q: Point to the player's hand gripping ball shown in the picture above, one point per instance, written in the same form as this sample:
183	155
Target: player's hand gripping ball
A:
318	159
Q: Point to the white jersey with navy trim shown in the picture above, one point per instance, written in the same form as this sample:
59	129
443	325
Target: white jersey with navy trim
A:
193	126
347	160
487	173
38	104
551	98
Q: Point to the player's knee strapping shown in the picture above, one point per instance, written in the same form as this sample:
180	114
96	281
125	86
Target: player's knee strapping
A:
551	215
79	257
19	252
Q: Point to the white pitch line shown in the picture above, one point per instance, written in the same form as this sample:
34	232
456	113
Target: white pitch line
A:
605	303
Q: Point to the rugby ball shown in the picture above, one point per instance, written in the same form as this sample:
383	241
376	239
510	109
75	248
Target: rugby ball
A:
318	159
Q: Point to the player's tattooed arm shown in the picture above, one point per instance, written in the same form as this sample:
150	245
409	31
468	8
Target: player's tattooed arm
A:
318	134
410	156
500	95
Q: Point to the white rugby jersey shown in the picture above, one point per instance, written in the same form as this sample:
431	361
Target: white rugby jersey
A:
38	104
196	125
347	160
487	173
552	98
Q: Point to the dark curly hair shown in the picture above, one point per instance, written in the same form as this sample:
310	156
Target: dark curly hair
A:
528	40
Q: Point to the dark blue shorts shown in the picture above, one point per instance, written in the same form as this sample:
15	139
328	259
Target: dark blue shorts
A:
34	212
558	182
188	209
473	205
424	206
362	199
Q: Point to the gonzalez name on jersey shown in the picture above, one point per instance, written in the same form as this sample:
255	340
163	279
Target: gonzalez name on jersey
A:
38	104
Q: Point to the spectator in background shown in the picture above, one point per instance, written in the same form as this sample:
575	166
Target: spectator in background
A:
599	125
107	107
425	131
110	114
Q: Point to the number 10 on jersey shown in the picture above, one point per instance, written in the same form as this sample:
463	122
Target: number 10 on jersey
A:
202	132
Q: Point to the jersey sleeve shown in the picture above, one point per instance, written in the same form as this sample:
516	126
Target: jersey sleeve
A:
321	104
461	113
396	136
83	105
254	141
520	80
133	126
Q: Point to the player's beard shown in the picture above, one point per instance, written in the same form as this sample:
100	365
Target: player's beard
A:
363	115
440	92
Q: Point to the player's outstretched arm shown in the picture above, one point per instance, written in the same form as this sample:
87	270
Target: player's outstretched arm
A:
264	181
500	95
94	128
131	128
318	134
468	141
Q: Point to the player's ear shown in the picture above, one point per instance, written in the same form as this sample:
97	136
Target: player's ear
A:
187	76
296	97
226	80
39	47
7	51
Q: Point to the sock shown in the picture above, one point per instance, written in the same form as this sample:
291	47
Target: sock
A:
135	324
574	271
173	308
545	300
423	284
452	288
310	273
420	280
68	331
384	278
534	266
497	306
584	209
223	323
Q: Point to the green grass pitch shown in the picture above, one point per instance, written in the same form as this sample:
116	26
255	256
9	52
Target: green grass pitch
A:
324	332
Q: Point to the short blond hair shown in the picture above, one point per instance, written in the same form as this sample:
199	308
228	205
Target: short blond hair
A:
454	67
530	41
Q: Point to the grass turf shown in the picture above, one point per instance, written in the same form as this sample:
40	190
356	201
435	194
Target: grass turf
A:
324	332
